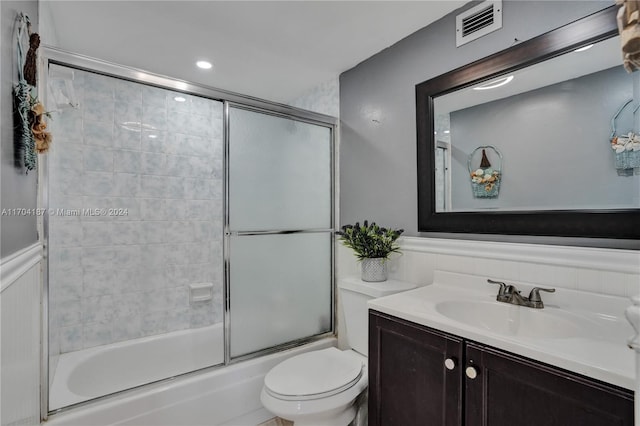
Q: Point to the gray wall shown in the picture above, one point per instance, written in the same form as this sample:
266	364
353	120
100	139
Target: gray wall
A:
18	190
562	128
377	106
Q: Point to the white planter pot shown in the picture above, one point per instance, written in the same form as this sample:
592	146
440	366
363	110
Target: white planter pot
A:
374	269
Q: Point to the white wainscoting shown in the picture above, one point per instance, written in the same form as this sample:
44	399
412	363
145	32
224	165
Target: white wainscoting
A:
21	324
604	271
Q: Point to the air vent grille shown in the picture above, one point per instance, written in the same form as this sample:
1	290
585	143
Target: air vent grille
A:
478	21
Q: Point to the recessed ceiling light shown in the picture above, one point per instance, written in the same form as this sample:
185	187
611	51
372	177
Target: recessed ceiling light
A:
180	99
204	65
495	83
582	49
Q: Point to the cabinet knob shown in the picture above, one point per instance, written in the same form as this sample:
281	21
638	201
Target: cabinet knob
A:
471	372
450	363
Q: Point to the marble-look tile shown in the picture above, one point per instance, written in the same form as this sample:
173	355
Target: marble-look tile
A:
65	233
71	338
98	159
67	258
127	113
69	287
202	315
68	317
178	102
179	122
126	184
152	209
98	86
180	232
153	232
176	143
125	209
99	282
127	305
175	210
178	319
152	278
154	96
153	256
97	308
153	186
96	234
97	184
71	157
154	323
153	163
97	258
154	117
125	138
128	232
127	257
179	165
98	133
127	328
176	189
97	334
98	109
127	161
153	141
128	92
203	209
68	182
203	189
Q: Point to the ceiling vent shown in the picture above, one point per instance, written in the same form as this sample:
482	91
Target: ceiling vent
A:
478	21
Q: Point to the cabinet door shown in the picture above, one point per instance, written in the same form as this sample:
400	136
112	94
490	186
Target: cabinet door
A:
510	390
409	383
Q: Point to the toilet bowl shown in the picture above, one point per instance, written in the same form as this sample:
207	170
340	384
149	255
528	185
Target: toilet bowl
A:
317	388
321	388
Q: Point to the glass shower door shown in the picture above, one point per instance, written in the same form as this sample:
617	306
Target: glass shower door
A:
279	230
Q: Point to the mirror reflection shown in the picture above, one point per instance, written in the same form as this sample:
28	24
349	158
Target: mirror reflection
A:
540	138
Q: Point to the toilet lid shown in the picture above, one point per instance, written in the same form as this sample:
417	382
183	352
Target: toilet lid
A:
312	375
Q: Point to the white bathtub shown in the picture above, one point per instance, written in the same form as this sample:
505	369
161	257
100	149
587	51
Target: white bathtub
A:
221	396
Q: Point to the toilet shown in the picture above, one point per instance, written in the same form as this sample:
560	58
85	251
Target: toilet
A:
321	388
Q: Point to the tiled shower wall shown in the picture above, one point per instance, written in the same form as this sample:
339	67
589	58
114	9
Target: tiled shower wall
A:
150	169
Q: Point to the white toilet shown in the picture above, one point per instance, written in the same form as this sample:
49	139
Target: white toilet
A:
320	388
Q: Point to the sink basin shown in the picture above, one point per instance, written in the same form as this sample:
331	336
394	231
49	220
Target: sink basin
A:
512	320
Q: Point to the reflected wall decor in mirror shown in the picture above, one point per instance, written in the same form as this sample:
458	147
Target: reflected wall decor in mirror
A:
547	110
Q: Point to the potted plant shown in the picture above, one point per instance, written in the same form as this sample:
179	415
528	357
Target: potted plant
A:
372	245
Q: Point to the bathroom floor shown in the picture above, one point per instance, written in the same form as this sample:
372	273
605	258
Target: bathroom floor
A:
276	421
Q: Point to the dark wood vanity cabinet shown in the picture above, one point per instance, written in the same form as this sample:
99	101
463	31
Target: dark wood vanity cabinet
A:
410	383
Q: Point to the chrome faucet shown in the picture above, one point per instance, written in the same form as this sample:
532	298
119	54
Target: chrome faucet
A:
508	293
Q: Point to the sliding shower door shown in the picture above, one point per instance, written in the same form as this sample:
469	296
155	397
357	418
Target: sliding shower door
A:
279	230
135	232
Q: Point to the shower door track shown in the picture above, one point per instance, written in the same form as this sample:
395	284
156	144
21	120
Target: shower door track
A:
54	56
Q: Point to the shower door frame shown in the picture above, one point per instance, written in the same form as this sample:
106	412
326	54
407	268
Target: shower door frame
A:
54	56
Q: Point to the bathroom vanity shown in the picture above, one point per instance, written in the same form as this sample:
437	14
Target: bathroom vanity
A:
435	359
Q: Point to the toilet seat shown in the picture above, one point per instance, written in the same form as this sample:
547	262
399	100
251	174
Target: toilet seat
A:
314	375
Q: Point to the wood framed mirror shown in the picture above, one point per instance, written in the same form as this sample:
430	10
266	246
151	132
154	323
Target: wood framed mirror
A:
541	212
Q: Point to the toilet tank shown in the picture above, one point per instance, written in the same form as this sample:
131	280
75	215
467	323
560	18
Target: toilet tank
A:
354	294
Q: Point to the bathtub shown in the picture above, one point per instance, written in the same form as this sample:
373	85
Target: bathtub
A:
219	396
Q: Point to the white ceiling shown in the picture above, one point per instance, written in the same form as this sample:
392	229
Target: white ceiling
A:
274	50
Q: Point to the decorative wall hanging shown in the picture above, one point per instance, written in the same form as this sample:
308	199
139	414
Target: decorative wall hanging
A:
626	148
29	125
485	180
629	28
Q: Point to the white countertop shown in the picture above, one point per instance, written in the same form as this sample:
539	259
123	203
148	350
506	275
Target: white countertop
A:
594	346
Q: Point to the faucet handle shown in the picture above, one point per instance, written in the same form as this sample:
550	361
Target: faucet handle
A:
534	296
503	286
